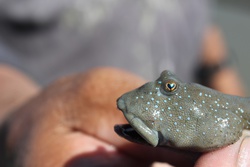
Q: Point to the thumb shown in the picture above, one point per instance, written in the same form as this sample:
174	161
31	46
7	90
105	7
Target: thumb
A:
91	101
237	154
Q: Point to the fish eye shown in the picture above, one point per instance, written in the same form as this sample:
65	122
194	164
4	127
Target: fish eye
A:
171	86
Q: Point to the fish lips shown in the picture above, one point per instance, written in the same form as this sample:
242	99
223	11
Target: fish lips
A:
127	131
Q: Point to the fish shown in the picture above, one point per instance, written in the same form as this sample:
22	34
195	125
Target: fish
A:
168	112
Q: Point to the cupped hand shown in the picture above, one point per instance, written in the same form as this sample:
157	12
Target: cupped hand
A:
70	124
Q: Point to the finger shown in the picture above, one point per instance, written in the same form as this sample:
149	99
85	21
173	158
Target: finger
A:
15	89
74	150
237	154
88	101
159	164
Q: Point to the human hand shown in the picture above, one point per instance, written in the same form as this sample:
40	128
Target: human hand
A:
70	124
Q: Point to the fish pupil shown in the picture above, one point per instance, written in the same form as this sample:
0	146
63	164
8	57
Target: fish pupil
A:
171	86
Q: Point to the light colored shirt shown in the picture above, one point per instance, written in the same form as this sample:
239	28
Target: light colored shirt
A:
144	37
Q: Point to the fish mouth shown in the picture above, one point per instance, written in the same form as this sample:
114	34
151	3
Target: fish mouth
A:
137	131
129	133
126	130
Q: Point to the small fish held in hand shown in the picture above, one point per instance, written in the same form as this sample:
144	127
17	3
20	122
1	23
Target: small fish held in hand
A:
188	116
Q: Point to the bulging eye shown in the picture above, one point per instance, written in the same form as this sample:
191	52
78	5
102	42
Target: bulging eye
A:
171	86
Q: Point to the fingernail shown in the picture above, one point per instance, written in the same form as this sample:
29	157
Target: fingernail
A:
160	164
244	153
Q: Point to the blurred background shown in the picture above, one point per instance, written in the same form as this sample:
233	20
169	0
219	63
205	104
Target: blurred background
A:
233	18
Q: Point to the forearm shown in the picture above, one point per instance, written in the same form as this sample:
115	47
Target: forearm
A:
227	81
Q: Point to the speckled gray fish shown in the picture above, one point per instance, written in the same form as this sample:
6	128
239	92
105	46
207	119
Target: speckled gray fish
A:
189	116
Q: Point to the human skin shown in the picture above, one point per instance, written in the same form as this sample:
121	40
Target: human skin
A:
70	124
15	89
214	52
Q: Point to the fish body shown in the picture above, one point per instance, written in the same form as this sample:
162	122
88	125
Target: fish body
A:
189	116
